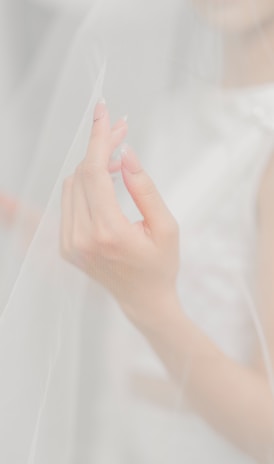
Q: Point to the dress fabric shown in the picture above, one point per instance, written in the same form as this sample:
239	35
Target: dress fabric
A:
207	162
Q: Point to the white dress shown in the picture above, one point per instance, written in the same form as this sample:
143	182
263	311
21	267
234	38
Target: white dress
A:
207	164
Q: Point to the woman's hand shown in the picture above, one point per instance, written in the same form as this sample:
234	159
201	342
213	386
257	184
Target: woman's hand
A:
138	263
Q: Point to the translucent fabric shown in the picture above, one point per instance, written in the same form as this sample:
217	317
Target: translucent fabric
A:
79	383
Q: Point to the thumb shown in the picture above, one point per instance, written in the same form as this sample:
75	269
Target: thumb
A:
144	193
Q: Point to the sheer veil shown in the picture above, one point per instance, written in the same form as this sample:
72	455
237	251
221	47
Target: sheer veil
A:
67	354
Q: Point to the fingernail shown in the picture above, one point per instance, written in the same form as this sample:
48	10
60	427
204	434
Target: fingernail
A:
100	109
129	160
121	123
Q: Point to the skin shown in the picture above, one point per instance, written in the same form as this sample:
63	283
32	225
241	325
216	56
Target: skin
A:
138	263
236	16
247	31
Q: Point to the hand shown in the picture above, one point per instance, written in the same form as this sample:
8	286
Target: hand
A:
138	263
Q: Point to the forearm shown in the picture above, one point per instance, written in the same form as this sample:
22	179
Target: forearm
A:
234	399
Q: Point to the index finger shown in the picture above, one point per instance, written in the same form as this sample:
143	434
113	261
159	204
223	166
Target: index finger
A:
99	147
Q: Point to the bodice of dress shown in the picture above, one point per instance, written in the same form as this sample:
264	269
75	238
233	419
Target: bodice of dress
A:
207	161
209	170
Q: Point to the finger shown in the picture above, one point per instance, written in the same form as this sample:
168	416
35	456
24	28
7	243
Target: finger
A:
100	147
66	217
101	121
81	216
94	170
114	166
100	194
119	132
122	122
104	140
145	194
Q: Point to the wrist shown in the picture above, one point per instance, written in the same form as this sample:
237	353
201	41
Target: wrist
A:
163	312
169	312
175	339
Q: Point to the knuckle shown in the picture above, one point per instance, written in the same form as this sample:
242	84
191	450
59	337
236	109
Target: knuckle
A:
79	244
170	230
86	170
106	240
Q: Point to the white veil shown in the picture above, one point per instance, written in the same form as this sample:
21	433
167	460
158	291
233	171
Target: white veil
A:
67	354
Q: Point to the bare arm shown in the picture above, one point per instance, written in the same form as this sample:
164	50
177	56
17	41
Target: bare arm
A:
235	400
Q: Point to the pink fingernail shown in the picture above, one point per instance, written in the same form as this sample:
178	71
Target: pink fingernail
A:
130	160
121	124
100	109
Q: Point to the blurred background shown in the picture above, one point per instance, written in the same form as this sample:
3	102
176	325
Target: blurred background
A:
26	29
